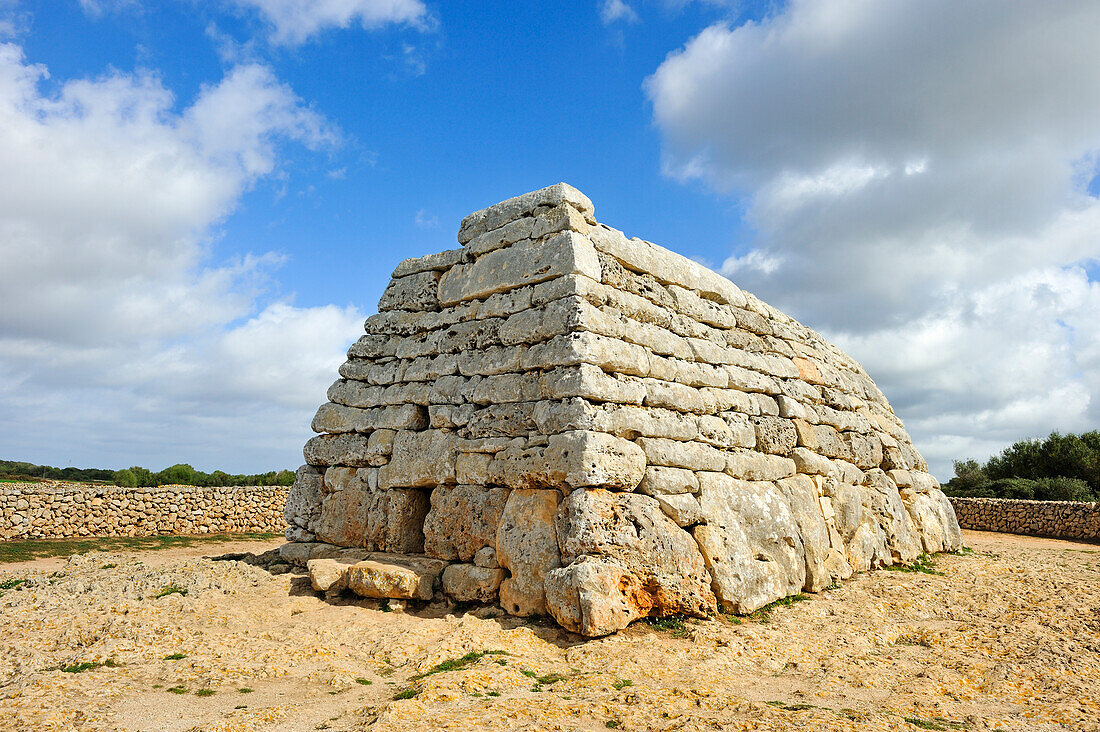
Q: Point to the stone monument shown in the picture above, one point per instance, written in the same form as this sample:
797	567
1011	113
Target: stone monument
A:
561	419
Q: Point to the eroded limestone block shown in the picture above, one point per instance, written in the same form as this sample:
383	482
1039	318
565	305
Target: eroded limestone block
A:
303	501
751	542
470	583
462	520
395	576
631	530
420	459
527	546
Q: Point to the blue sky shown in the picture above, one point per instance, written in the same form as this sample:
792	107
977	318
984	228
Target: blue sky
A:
205	199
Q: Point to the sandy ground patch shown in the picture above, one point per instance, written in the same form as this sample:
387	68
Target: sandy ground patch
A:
1008	637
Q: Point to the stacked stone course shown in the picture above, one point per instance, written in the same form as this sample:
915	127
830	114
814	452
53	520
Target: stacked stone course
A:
570	421
57	510
1061	519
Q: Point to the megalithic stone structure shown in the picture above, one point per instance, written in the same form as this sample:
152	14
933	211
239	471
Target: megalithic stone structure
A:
562	419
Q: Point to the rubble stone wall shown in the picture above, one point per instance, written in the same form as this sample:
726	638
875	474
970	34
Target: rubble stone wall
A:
1062	519
57	510
568	420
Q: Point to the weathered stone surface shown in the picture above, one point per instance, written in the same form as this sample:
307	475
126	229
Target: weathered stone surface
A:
470	583
395	576
303	502
413	292
462	520
751	542
630	531
328	575
420	459
700	442
527	546
521	264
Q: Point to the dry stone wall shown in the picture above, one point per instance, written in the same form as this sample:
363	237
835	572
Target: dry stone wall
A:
567	420
56	510
1062	519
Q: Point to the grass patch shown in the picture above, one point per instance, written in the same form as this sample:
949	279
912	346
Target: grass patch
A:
790	707
384	606
936	723
622	684
550	679
364	682
205	692
923	564
764	614
492	693
178	689
25	551
81	667
11	584
612	724
172	589
407	693
457	664
244	690
963	551
175	656
674	624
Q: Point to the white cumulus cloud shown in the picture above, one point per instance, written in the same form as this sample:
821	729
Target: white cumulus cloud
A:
296	21
120	334
917	174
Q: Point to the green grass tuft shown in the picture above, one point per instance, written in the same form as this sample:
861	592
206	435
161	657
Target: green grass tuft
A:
25	551
205	692
179	689
407	693
364	682
622	684
923	564
175	656
81	667
457	664
172	589
674	624
11	584
244	690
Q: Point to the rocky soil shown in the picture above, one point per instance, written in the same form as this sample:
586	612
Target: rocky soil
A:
1007	637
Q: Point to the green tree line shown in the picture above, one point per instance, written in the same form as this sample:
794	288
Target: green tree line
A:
1058	468
136	475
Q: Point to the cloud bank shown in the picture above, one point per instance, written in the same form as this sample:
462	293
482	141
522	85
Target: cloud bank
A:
918	177
120	333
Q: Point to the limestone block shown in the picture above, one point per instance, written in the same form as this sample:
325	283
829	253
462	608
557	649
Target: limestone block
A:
882	500
327	575
337	418
683	508
660	480
810	463
751	542
521	264
749	465
415	292
774	435
665	266
473	468
438	261
497	215
590	382
341	449
807	438
631	531
470	583
386	520
420	459
866	451
594	459
563	217
686	455
486	556
462	520
802	495
527	546
395	576
303	501
594	596
829	443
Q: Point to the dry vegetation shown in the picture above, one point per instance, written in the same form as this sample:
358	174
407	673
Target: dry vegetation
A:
1006	636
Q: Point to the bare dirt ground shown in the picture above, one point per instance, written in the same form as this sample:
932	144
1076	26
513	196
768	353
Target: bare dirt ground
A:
1007	637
